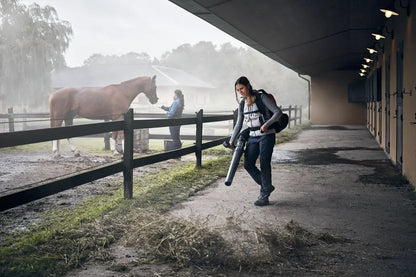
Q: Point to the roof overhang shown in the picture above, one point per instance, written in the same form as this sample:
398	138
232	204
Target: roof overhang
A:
310	37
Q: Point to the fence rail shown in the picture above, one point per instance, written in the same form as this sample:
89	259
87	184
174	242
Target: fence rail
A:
126	166
294	112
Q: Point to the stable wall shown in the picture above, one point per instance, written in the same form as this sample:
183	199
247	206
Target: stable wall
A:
407	33
409	103
329	100
404	27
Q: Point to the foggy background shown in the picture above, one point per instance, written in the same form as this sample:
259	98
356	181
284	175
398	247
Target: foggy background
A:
37	45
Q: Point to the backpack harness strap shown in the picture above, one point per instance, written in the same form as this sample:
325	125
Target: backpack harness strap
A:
259	102
256	111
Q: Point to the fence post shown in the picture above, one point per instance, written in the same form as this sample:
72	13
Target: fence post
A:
11	119
128	155
106	139
24	126
235	114
107	136
300	115
296	114
290	115
198	138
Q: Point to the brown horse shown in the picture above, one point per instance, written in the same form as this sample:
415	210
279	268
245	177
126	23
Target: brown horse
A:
108	103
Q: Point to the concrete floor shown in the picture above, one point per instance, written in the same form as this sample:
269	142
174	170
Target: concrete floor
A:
333	179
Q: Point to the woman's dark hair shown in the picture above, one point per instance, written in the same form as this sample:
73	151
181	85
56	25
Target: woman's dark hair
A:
245	82
179	93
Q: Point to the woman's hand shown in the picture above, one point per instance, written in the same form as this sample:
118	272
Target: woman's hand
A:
264	128
232	146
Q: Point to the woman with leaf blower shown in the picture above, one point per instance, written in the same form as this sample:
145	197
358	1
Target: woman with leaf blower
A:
258	111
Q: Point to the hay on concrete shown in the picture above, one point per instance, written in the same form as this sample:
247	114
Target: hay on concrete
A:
181	242
189	245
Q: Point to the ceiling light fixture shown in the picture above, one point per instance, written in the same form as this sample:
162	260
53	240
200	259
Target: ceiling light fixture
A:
368	60
388	12
377	36
365	65
371	50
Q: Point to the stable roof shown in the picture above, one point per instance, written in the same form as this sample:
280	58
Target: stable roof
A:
310	37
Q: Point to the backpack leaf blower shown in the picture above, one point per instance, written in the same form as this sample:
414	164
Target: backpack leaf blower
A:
238	152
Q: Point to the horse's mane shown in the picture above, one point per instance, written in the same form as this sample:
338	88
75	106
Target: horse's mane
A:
127	82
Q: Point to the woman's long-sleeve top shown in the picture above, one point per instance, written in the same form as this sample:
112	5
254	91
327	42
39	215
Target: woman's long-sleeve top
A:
175	110
252	118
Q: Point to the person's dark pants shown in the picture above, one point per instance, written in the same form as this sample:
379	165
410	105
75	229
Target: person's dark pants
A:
263	146
175	135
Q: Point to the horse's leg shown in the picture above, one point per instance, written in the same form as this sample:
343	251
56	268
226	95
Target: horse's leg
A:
55	143
113	142
115	136
121	136
69	122
55	146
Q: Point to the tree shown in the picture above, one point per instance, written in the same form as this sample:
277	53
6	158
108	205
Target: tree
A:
126	59
221	66
32	43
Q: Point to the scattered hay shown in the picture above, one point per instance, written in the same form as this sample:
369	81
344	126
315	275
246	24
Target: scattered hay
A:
178	241
292	239
193	247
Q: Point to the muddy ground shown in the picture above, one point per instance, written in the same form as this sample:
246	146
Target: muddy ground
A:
23	169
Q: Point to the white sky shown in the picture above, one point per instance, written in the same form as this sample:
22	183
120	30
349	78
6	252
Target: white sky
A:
116	27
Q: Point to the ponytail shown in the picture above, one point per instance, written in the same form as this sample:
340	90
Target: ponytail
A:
179	94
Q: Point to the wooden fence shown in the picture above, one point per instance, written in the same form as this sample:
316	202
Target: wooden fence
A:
294	112
128	162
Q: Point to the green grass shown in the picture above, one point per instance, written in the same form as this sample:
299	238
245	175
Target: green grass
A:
89	145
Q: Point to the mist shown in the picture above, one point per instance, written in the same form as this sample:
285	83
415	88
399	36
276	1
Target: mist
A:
205	73
204	70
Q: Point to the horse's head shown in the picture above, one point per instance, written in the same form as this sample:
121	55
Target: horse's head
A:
150	92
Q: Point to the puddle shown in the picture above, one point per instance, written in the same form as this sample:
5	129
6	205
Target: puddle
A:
362	154
332	155
284	156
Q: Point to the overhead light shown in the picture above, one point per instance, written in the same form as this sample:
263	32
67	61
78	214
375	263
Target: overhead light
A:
378	36
388	12
368	60
371	50
365	65
363	70
361	74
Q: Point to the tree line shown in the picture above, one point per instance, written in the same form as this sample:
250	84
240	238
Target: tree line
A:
33	41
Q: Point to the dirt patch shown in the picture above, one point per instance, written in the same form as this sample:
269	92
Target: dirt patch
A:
23	169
